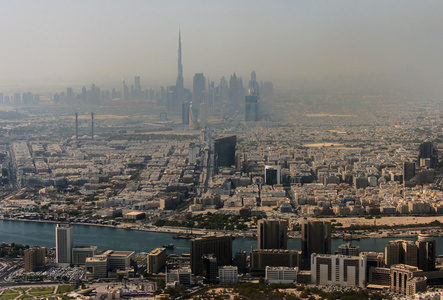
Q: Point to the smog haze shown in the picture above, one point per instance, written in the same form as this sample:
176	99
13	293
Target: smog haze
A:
76	42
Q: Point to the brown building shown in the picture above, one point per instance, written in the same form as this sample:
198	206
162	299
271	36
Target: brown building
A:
407	280
419	254
262	258
272	234
219	246
156	260
426	252
315	238
34	257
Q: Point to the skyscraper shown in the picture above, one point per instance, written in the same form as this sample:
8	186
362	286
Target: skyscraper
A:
427	151
272	234
198	89
224	152
315	238
219	246
64	241
137	86
251	108
179	85
408	171
426	252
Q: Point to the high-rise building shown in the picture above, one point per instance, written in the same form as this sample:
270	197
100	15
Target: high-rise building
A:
179	84
219	246
401	252
315	238
261	258
251	108
137	86
273	174
408	171
210	270
198	90
156	260
338	270
272	234
34	257
64	241
253	87
426	252
224	152
427	150
349	249
185	113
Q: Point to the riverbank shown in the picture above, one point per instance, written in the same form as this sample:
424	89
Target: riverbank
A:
346	222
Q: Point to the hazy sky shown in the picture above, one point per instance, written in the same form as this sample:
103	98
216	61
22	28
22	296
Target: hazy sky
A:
86	41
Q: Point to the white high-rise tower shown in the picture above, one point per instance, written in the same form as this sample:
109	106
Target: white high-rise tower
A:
64	241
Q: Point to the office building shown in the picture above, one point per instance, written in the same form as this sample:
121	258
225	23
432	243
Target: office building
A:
79	254
349	249
210	268
156	260
315	238
137	87
251	108
179	277
185	113
203	114
219	246
344	271
109	264
401	252
198	90
284	275
427	151
272	234
240	261
227	274
426	252
407	280
34	258
64	242
380	276
273	174
408	171
236	94
262	258
192	153
224	152
193	116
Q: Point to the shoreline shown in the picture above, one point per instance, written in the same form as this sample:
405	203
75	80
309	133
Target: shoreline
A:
382	233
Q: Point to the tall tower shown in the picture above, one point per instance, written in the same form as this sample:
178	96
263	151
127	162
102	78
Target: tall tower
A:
315	238
64	240
179	83
272	234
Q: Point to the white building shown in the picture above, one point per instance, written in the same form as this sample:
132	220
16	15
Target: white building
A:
179	277
281	275
228	274
64	241
327	269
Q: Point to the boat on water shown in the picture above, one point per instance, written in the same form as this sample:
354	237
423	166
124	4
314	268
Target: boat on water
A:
170	246
182	235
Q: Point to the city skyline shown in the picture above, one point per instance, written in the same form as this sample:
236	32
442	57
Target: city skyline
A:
284	42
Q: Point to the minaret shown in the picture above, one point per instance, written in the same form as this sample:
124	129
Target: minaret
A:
179	84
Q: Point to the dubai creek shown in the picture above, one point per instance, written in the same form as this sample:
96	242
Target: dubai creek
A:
43	234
